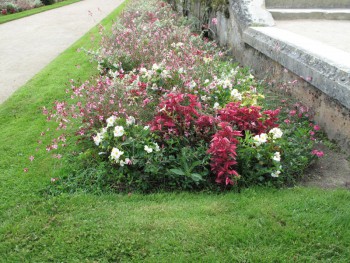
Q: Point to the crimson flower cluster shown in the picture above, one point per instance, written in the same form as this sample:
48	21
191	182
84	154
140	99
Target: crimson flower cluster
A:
181	113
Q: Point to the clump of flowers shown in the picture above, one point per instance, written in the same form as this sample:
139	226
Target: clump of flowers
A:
168	113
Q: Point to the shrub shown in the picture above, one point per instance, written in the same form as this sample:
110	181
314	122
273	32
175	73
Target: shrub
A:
48	2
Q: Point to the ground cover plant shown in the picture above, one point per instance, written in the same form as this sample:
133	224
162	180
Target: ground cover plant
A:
203	124
255	225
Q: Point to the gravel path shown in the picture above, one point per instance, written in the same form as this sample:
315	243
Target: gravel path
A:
27	45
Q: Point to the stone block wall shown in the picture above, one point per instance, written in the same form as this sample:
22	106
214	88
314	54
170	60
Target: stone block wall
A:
233	21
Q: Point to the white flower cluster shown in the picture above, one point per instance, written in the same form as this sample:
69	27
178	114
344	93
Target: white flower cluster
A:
260	139
118	131
276	173
115	154
150	148
99	136
276	133
225	83
276	157
236	95
177	45
110	121
130	120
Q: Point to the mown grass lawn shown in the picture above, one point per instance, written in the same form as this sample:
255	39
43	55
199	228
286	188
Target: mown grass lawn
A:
15	16
256	225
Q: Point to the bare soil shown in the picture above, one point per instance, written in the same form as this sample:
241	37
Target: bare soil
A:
330	171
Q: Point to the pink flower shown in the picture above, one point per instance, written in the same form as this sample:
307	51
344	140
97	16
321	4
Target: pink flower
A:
292	112
317	153
54	180
31	158
317	128
214	21
312	133
146	101
287	121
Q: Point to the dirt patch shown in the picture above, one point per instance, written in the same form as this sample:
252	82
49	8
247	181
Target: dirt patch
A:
330	171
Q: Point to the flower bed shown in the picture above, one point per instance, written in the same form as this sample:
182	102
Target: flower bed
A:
169	112
15	6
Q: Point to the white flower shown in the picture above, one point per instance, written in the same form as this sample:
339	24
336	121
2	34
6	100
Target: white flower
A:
165	74
216	105
206	81
180	44
116	153
122	163
118	131
276	133
111	120
157	149
260	139
98	138
128	161
148	149
235	94
207	60
154	86
276	157
103	130
192	85
155	67
276	174
146	127
204	98
130	120
226	84
143	71
181	70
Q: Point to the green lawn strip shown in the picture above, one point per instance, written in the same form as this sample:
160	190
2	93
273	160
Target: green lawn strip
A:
257	225
15	16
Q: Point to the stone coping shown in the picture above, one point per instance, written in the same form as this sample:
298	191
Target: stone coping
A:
325	67
331	14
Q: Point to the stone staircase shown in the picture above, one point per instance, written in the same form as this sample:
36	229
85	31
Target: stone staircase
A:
311	9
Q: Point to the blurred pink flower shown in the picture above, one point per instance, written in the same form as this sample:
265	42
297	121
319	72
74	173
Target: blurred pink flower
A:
317	153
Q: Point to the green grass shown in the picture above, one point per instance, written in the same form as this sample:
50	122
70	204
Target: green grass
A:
11	17
256	225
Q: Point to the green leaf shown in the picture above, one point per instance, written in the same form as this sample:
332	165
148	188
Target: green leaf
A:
196	177
177	171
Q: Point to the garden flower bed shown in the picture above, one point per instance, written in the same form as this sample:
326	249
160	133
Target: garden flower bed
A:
169	111
15	6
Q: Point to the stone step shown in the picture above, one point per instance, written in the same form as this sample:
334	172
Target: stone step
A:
325	67
307	4
329	14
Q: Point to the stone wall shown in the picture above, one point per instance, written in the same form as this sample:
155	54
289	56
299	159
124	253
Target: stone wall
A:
235	19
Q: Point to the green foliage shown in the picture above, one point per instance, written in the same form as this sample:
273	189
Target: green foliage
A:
48	2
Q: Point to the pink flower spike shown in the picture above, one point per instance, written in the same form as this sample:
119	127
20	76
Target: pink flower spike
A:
31	158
